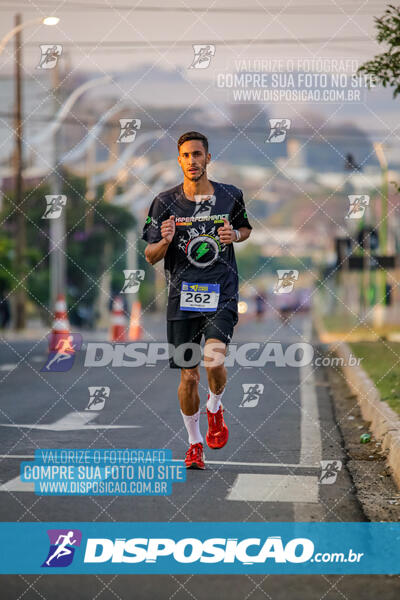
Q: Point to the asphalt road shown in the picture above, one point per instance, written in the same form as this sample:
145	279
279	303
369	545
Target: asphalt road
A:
269	470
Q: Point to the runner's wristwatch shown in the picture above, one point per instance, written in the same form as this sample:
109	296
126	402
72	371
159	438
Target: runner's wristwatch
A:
237	234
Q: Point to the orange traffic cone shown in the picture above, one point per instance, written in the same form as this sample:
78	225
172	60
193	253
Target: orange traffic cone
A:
135	330
118	321
60	329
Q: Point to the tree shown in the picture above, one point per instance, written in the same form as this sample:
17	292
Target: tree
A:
385	67
85	244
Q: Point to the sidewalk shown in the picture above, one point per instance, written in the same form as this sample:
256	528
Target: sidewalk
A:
384	422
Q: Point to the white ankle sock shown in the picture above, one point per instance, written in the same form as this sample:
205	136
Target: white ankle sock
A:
214	401
192	424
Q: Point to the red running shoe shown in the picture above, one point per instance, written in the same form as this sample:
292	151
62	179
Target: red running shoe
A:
218	433
194	458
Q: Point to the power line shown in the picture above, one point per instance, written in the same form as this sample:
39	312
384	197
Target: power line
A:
293	10
181	43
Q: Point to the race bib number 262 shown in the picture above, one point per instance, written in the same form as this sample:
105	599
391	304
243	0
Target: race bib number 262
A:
202	297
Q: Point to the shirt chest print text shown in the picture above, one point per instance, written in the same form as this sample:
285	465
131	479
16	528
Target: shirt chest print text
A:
199	227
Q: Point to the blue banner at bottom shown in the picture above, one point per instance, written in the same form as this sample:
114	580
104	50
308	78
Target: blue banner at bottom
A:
209	548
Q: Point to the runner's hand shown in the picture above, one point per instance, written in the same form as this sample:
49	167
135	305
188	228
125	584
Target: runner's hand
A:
168	229
226	233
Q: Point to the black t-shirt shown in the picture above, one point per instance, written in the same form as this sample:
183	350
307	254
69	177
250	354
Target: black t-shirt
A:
195	254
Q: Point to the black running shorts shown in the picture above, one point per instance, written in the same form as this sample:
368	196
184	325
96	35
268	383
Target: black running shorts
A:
186	334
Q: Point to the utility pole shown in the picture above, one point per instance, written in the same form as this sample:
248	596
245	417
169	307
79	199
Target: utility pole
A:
20	237
90	195
380	307
57	226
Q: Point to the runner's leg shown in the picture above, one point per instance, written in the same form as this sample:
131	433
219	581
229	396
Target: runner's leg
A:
180	334
188	393
218	333
214	354
189	400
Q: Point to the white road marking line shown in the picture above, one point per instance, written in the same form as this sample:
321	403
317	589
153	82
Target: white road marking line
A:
311	443
208	462
311	446
17	456
274	488
8	367
71	422
16	485
248	487
257	464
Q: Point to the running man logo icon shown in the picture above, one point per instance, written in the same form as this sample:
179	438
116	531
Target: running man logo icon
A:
97	397
50	53
204	205
203	54
62	547
329	471
251	394
286	281
54	206
278	130
129	127
133	279
64	357
358	204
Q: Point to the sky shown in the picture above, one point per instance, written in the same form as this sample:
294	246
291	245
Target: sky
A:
148	45
97	33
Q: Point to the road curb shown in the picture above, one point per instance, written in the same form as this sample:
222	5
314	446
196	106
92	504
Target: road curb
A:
385	423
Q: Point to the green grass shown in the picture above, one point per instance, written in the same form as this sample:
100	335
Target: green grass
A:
339	323
381	361
344	324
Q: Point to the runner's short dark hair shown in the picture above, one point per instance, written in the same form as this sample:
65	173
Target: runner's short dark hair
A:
193	135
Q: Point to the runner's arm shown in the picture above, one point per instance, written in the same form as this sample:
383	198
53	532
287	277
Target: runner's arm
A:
244	234
239	220
156	251
157	232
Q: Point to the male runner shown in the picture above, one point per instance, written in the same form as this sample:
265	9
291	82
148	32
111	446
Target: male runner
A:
201	272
